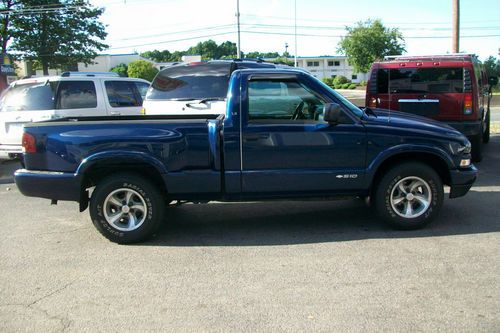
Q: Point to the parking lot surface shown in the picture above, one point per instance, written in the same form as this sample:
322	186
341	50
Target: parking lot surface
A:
276	266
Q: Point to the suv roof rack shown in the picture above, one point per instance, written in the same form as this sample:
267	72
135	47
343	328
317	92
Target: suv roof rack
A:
89	74
431	57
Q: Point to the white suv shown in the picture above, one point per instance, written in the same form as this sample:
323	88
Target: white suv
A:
73	94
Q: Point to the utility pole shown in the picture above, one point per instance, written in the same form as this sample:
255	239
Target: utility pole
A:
456	26
295	57
238	55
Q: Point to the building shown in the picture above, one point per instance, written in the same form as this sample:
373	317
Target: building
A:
330	66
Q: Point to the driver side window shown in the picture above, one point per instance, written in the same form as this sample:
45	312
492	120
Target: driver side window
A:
282	100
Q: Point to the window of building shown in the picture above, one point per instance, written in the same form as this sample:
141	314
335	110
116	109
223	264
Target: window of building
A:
282	100
313	64
332	63
354	77
76	95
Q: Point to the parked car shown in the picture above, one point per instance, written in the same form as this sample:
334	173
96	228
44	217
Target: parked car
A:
69	95
285	134
449	88
195	88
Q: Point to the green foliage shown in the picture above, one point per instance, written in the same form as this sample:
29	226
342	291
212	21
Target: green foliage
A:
492	66
328	81
340	79
59	38
345	86
163	56
369	41
121	69
207	49
363	83
256	54
6	31
352	86
142	69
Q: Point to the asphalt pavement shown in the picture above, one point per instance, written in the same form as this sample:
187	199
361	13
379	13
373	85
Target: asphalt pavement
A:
254	267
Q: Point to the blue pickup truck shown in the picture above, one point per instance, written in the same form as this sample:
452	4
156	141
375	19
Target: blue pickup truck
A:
285	135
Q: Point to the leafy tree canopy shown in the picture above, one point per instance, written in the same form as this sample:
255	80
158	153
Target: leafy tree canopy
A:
369	41
142	69
59	34
492	66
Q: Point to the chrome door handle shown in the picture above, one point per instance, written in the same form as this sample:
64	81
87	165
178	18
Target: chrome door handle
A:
115	113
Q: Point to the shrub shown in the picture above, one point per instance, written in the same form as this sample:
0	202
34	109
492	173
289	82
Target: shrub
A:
363	83
142	69
340	80
121	69
337	86
346	86
352	86
328	81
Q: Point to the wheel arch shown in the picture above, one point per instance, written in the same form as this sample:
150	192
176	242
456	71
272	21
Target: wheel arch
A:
99	166
432	159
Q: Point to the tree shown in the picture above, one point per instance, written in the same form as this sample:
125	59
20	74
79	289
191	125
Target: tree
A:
65	33
368	41
121	69
142	69
5	23
492	66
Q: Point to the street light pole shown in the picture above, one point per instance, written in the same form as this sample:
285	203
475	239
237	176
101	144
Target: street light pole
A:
456	26
238	55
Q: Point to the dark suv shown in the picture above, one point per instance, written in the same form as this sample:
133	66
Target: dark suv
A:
195	88
450	88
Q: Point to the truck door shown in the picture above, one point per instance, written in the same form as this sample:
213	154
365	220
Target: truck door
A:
287	147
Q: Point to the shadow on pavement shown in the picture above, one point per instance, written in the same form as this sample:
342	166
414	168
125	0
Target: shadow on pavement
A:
7	169
302	222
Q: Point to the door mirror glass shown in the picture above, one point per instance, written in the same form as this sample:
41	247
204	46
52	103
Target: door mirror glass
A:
332	113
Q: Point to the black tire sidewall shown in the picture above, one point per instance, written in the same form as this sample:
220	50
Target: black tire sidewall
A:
151	197
387	183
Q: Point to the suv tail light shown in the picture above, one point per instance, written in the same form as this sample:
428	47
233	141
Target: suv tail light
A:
467	103
29	143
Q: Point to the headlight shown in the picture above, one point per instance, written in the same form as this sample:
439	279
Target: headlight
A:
458	148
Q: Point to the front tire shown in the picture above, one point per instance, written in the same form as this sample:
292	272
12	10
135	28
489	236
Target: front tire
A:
126	208
409	196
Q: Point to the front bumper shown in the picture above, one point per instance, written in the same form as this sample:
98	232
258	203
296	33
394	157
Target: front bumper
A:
49	185
461	181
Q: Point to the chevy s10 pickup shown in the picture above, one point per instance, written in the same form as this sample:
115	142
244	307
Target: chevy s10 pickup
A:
285	135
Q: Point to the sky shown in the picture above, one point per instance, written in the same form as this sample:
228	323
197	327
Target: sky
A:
268	25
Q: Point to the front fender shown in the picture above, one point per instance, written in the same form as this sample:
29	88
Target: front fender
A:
406	149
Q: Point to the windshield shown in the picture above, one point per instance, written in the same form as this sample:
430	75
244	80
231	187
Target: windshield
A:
190	82
29	97
356	110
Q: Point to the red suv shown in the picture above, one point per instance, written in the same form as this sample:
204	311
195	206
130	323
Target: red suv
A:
450	88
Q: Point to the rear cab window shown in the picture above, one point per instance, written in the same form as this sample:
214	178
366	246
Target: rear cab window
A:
191	82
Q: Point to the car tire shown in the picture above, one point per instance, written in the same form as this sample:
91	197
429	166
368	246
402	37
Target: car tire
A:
126	208
477	146
486	134
414	185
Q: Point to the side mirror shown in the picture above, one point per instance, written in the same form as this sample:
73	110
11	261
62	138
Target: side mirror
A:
493	80
332	113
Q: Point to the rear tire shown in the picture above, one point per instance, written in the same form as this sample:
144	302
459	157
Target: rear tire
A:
126	208
409	196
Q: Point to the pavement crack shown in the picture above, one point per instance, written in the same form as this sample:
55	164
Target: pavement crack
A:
51	294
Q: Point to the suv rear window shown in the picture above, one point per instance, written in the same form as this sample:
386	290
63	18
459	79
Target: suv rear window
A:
420	80
188	82
29	97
